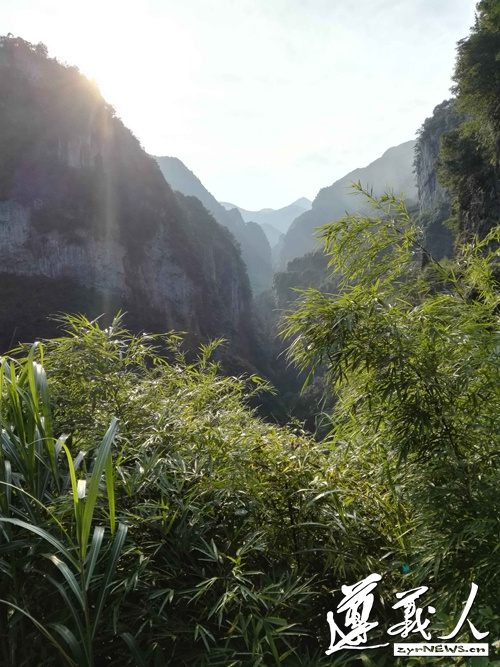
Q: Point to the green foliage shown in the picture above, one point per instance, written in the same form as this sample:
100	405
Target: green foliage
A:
292	404
477	71
34	517
465	167
206	536
416	370
469	162
237	532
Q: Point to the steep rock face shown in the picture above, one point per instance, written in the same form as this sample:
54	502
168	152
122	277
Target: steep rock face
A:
444	118
393	170
258	254
255	248
82	205
434	201
430	193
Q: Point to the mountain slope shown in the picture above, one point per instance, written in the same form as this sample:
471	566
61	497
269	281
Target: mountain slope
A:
280	218
88	223
255	248
394	169
273	234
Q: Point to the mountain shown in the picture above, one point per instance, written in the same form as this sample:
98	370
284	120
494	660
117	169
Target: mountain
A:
434	201
281	218
89	224
393	170
255	248
273	234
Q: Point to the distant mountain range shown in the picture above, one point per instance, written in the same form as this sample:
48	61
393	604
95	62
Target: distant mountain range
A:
271	219
255	248
291	230
270	238
393	170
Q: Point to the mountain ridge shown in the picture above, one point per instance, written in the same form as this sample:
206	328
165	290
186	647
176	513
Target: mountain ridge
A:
392	170
85	211
280	219
255	248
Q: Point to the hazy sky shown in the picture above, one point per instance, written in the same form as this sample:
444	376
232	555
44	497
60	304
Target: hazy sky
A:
265	101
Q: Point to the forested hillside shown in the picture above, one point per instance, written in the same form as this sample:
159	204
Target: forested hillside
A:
148	515
255	248
89	224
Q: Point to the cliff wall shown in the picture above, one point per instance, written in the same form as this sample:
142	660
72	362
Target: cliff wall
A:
434	201
255	248
82	204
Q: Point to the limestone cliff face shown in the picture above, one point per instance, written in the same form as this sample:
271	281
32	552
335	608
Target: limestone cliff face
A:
443	119
434	202
82	204
105	266
430	193
25	251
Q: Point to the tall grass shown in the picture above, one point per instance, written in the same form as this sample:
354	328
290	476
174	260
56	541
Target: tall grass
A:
36	480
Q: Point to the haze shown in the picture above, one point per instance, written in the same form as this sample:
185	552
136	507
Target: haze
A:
265	102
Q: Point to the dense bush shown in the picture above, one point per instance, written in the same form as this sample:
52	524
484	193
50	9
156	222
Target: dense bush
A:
212	538
413	357
469	161
149	517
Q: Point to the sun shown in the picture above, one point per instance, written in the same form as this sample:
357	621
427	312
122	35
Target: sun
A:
138	63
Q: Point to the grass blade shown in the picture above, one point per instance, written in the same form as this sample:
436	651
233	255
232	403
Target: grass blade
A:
44	631
95	547
93	489
116	549
44	535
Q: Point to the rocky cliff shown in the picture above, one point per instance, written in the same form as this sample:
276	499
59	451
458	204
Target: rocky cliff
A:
85	211
427	149
434	201
255	248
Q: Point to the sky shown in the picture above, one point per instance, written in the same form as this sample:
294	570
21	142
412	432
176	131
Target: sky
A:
266	101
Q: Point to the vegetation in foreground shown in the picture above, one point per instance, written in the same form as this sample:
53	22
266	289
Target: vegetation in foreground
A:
413	358
148	517
169	525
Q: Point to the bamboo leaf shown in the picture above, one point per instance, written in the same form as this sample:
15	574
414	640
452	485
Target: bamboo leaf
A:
95	547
